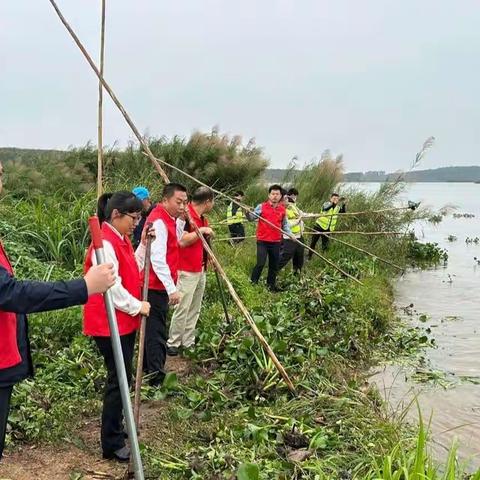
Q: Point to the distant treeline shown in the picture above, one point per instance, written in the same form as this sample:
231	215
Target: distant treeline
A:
445	174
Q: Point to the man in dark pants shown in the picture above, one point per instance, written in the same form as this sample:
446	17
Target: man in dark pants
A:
292	250
162	289
112	406
269	238
235	219
327	222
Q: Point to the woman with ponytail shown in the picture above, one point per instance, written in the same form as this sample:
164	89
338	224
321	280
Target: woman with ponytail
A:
119	213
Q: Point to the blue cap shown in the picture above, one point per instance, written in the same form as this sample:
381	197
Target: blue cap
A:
141	193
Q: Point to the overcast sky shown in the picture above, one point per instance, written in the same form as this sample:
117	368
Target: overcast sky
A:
371	79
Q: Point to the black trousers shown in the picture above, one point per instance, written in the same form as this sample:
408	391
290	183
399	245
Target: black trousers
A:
5	396
272	251
156	336
113	434
292	250
316	237
237	232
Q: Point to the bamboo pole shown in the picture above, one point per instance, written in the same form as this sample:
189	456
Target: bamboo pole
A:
165	178
141	337
156	161
368	253
323	215
100	107
344	232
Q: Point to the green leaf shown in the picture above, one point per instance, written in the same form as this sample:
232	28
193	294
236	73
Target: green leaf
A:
248	471
170	381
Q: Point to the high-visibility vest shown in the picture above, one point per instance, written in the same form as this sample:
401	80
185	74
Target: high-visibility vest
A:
237	218
293	215
328	220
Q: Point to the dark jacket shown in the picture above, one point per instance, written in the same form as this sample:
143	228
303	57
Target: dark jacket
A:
22	297
137	233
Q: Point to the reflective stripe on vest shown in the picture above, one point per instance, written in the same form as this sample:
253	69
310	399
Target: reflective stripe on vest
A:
328	220
293	215
237	218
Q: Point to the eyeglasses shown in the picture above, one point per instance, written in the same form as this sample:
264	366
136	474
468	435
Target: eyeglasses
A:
136	218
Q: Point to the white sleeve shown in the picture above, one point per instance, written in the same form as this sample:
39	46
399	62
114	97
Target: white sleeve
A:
123	300
180	228
140	256
159	257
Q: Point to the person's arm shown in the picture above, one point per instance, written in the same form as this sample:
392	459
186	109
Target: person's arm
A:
286	226
140	256
257	212
30	296
122	298
327	206
159	257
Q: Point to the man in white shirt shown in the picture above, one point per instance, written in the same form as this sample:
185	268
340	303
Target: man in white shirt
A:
162	289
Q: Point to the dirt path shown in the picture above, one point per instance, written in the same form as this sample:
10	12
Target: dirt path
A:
81	460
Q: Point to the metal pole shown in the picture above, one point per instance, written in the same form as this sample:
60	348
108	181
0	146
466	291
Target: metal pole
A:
97	241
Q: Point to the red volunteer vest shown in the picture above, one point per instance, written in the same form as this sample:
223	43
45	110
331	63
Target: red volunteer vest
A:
172	257
95	320
191	257
265	232
9	354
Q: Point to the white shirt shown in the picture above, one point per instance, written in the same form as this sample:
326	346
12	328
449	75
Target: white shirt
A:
122	298
158	254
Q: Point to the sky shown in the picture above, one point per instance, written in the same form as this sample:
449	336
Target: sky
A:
370	79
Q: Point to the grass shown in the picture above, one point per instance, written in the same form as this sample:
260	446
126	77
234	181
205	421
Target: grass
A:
233	416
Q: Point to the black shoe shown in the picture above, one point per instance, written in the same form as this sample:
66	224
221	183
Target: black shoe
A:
121	455
173	351
275	289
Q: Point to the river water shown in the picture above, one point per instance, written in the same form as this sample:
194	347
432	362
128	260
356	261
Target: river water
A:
449	296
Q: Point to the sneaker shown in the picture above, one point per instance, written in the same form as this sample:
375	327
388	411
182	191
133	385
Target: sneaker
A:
172	351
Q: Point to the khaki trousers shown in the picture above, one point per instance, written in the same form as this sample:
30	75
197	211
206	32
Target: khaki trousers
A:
191	286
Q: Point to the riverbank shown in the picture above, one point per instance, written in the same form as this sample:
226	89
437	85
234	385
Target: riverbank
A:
230	412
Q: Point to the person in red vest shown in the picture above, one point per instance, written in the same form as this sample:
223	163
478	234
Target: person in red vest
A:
118	214
191	273
269	239
17	298
162	288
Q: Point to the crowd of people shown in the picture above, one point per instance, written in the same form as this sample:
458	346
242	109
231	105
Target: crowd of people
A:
177	279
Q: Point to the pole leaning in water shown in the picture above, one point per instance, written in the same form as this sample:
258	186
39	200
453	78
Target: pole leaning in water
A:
97	241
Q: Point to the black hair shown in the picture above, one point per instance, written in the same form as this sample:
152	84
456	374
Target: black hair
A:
276	187
170	188
123	201
202	195
334	194
239	193
292	191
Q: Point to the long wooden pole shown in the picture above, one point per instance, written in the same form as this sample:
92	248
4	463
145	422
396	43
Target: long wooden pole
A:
344	232
100	107
165	178
141	338
355	247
